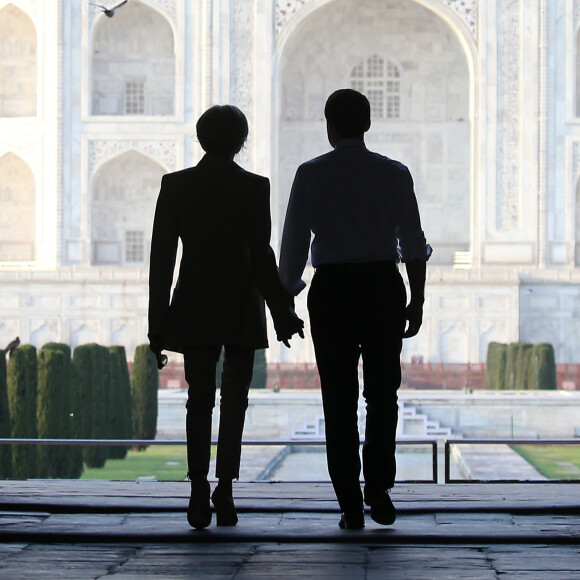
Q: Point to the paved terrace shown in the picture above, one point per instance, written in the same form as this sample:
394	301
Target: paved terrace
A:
95	529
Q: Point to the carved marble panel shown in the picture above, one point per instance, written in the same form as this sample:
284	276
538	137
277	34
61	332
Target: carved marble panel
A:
508	115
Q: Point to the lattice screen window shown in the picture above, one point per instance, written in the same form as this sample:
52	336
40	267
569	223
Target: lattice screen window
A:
380	81
134	246
135	98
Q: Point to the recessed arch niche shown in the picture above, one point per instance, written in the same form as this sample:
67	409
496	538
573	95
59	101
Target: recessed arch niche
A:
18	63
133	63
17	210
432	134
124	191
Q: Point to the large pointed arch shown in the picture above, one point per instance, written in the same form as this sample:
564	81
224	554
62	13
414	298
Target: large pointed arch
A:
435	135
17	210
133	63
18	63
124	191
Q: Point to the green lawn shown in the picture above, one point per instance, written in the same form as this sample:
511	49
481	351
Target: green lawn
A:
553	461
157	463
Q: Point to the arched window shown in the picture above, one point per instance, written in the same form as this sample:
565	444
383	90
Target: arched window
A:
380	81
17	63
122	208
133	63
17	210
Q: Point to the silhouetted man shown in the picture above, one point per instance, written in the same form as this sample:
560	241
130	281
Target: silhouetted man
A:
362	210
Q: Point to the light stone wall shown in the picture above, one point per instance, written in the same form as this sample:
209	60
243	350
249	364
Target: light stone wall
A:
488	127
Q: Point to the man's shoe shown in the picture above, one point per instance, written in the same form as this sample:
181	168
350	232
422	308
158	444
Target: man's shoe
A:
199	511
352	521
382	509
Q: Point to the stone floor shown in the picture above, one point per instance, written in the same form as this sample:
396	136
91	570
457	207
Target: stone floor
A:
89	529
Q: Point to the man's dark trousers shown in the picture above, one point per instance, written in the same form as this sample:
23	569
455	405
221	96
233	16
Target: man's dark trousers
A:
358	310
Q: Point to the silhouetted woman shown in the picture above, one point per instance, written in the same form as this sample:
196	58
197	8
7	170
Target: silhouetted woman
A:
221	213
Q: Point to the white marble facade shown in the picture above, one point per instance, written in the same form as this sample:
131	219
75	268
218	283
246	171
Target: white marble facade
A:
479	99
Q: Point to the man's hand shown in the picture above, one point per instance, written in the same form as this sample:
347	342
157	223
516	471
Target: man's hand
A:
414	315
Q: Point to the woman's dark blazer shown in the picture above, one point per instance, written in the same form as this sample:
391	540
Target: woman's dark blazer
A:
222	215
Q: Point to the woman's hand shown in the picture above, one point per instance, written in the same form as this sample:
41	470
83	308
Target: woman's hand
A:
287	324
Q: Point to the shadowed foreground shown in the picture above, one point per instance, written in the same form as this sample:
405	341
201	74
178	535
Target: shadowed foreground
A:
90	529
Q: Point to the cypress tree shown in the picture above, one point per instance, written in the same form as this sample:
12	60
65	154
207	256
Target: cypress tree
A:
144	388
5	450
91	361
546	366
22	392
510	365
521	366
495	366
52	387
532	368
121	424
260	370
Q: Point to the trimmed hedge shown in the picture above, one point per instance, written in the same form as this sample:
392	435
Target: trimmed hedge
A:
520	366
144	388
544	360
71	414
22	392
5	450
92	367
511	354
260	371
121	423
52	394
495	366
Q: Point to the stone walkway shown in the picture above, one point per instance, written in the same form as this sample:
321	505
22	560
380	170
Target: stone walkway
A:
86	529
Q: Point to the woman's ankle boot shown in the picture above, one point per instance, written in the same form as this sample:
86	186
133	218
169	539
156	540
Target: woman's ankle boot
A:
199	510
223	503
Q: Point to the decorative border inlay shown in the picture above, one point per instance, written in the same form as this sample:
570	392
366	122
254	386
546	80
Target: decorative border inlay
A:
104	150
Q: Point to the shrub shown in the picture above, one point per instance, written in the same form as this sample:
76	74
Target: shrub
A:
546	365
92	368
510	365
121	424
260	370
22	390
495	366
522	364
51	421
144	388
71	413
5	450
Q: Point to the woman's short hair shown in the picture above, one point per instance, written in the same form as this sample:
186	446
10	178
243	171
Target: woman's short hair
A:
349	112
222	130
